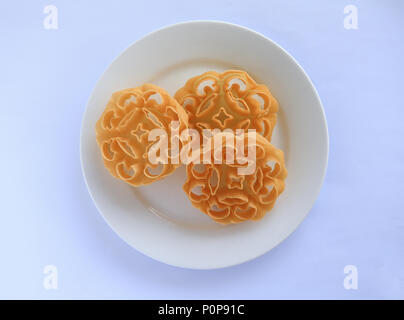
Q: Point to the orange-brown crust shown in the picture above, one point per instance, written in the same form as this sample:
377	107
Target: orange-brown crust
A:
235	198
122	132
225	104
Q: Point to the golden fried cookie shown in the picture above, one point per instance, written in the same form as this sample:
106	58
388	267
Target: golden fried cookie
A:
123	133
225	195
231	99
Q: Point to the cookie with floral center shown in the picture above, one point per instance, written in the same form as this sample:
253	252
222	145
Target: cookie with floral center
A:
122	133
228	100
232	189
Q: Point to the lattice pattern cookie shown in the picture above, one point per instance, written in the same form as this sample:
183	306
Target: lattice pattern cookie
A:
219	191
123	128
228	100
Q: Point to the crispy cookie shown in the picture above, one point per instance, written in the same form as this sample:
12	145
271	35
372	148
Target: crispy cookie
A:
231	100
123	132
225	195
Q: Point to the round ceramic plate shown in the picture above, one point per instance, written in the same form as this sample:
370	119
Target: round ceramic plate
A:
158	219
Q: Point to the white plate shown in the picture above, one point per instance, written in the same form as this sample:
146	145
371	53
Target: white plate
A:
158	219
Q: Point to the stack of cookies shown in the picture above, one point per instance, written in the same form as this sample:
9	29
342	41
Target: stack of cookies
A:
218	124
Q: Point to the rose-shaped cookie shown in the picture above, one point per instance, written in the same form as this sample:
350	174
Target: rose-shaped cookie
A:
231	99
123	133
220	189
